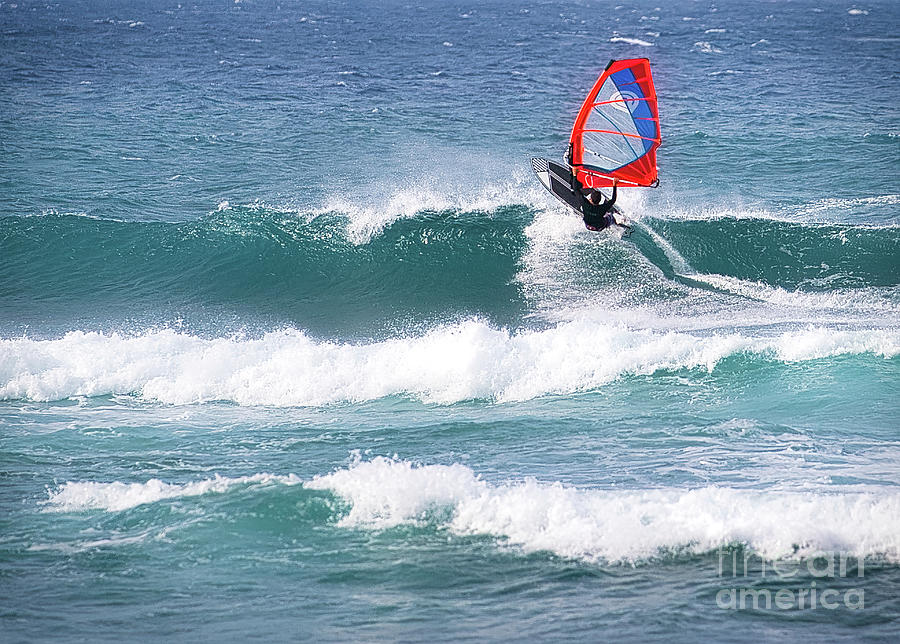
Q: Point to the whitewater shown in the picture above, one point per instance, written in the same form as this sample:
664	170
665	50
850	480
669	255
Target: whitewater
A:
463	362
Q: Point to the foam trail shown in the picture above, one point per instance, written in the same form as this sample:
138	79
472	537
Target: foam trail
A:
465	361
864	300
846	300
679	263
620	525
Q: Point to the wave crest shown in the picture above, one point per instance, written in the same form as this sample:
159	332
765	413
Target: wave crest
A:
469	360
619	525
593	525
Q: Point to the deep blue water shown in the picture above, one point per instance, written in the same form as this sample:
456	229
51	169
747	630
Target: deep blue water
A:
293	345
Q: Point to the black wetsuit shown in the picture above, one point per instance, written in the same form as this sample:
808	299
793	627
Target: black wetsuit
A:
596	217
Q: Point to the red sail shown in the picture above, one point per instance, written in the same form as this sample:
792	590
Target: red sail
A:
617	130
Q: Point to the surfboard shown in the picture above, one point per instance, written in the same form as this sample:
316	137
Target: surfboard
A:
557	178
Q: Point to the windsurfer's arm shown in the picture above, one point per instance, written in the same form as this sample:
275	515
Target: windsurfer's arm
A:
612	199
575	184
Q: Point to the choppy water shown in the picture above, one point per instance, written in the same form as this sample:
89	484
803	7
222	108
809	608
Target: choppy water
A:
292	344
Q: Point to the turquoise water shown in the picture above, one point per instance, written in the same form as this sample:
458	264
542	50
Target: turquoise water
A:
294	346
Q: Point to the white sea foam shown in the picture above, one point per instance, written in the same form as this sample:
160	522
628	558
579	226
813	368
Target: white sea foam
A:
85	545
616	525
819	211
581	523
553	224
706	48
52	212
116	496
367	217
556	278
631	41
715	212
365	220
464	361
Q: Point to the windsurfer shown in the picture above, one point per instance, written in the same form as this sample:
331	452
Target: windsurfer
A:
595	209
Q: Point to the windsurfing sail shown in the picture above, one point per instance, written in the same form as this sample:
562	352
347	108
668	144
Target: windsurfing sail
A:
617	130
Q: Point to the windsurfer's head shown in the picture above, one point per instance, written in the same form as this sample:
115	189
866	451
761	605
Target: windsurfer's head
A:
595	197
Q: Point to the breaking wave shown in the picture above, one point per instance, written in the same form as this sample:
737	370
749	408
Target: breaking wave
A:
464	361
593	525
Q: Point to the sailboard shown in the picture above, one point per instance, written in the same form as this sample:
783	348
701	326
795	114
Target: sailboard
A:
616	132
557	178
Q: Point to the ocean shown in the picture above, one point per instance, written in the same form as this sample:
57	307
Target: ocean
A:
294	346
